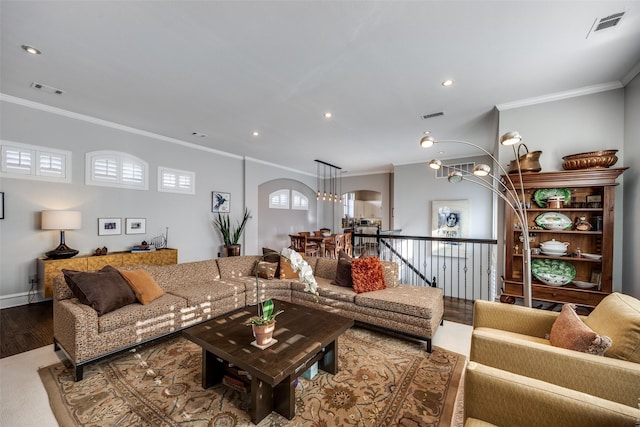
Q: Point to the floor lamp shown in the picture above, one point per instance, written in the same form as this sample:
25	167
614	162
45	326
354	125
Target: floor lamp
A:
516	196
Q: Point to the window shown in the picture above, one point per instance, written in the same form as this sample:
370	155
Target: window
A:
299	201
465	168
33	162
279	199
176	181
116	169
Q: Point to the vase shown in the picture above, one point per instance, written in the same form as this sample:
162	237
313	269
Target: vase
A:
264	333
233	250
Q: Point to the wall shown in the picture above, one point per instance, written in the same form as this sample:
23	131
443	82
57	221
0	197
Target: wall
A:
631	243
415	187
569	126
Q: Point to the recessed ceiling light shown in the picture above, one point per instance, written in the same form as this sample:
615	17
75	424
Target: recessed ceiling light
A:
427	132
327	115
255	133
199	134
447	83
440	152
30	49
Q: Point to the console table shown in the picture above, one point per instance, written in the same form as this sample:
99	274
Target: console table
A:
49	268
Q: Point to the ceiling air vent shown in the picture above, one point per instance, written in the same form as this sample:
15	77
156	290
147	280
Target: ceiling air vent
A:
607	22
45	88
432	115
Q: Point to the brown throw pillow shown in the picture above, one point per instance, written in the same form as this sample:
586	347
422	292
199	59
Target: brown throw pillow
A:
367	274
266	270
273	256
143	285
286	271
104	290
570	332
343	271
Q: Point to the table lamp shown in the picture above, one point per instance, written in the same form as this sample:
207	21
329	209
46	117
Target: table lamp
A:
61	220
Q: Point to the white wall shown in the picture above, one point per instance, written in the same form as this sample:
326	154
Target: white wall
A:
575	125
631	243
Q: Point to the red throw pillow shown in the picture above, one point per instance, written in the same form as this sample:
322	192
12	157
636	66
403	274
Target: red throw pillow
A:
367	274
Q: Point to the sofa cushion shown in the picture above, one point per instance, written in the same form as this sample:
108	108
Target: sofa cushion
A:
104	290
421	301
237	266
143	285
367	274
165	310
326	289
570	332
390	273
267	270
618	317
188	272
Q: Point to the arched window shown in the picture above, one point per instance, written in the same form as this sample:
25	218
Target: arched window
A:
116	169
299	201
279	199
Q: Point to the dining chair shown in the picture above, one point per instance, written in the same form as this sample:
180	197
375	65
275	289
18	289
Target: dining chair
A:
299	244
348	242
333	245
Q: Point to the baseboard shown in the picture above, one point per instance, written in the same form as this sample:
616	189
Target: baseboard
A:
22	298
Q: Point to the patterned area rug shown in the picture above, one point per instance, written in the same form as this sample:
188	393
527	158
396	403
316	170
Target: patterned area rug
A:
383	381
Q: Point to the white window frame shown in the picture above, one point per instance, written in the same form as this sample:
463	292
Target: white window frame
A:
303	205
280	204
444	171
36	169
119	176
180	175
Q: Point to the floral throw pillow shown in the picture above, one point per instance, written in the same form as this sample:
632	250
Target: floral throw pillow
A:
570	332
367	274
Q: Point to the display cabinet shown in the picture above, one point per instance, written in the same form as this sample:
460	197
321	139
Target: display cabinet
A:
588	238
49	268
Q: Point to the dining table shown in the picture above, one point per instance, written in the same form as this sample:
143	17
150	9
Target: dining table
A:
322	241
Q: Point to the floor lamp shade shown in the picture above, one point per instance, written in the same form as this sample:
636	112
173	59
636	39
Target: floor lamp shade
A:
61	220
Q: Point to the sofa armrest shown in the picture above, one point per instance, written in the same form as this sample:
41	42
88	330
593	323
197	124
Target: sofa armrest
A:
73	326
502	398
513	318
611	379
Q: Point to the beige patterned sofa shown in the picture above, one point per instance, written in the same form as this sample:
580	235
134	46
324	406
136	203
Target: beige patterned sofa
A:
518	378
203	290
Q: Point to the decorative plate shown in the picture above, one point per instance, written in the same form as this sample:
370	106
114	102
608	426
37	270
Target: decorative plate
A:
553	221
545	269
592	256
541	195
584	285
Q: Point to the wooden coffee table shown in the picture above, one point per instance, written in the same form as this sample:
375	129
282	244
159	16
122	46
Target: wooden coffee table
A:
305	336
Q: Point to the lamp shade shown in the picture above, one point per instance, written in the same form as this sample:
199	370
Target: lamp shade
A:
61	220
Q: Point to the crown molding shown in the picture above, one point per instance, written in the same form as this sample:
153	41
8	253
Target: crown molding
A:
631	74
263	162
588	90
112	125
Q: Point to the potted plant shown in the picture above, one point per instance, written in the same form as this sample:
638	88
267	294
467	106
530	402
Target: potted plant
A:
265	322
231	235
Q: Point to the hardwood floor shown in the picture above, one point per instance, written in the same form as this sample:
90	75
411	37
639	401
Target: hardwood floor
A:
30	326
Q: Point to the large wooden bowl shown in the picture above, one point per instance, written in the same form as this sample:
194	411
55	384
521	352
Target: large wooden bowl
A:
591	160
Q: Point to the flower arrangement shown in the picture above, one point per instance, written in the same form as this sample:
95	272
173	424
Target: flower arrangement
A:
266	315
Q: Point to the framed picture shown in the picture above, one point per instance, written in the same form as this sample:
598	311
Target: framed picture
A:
449	219
135	226
1	204
109	226
220	202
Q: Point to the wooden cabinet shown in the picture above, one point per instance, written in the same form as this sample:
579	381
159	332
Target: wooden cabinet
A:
49	268
592	197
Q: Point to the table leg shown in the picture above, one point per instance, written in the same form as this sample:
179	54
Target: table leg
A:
261	400
212	369
284	397
329	362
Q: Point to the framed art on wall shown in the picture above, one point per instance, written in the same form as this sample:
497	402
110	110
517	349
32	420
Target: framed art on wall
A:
449	219
220	202
1	204
135	225
109	226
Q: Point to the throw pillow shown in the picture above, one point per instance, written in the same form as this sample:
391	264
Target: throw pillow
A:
367	274
274	256
104	290
143	285
343	271
286	271
570	332
266	270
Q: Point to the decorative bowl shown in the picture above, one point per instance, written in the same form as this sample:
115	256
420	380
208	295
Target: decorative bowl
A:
584	285
553	221
549	252
592	256
591	160
554	246
553	279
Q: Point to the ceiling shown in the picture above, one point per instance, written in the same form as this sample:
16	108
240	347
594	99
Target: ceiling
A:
228	68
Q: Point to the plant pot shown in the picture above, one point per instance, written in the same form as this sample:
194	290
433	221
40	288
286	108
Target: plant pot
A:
264	333
233	250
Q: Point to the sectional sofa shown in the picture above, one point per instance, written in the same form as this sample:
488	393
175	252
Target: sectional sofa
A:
198	291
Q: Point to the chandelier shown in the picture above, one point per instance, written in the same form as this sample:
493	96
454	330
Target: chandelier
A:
328	177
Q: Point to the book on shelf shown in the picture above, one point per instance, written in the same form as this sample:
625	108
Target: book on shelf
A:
143	248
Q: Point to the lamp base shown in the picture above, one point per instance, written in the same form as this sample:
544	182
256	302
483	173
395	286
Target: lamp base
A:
61	252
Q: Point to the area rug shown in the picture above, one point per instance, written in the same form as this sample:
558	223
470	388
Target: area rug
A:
382	381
